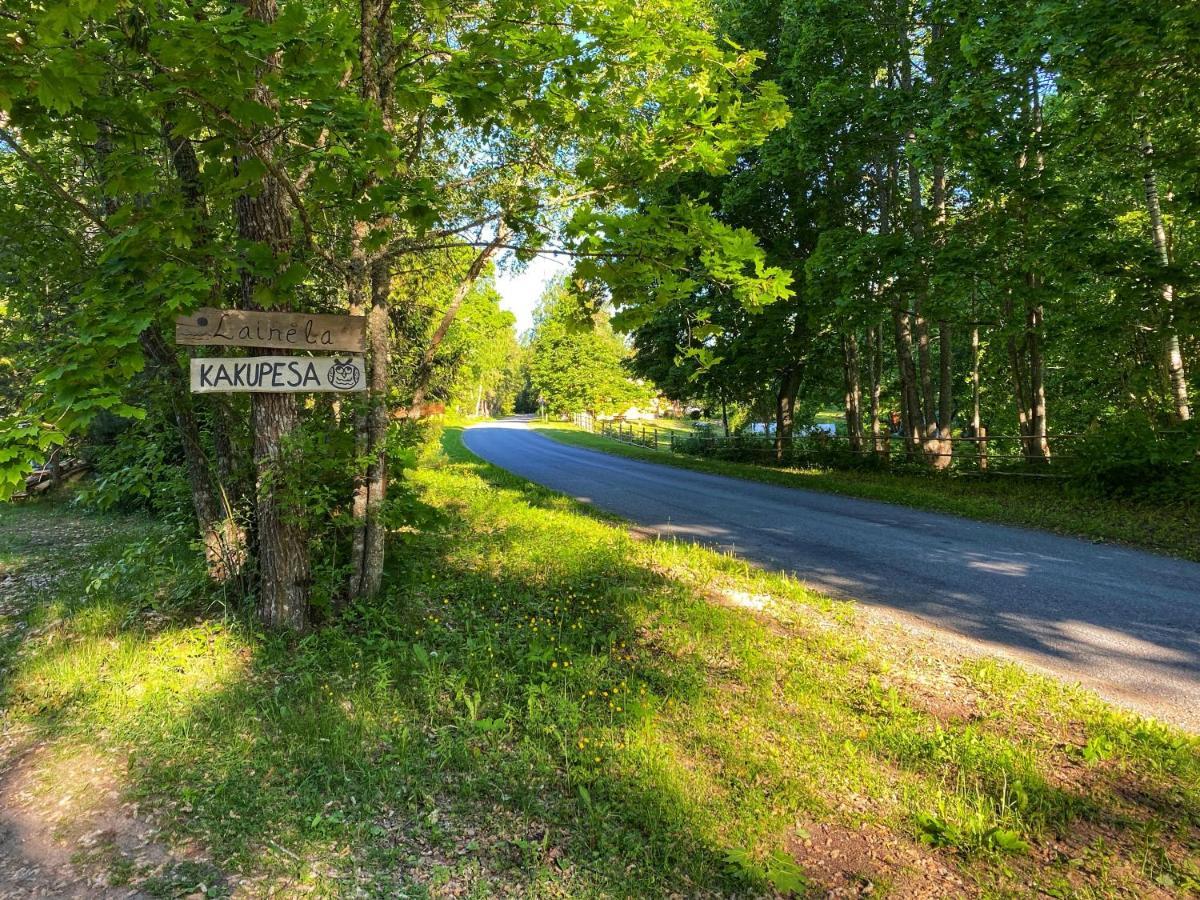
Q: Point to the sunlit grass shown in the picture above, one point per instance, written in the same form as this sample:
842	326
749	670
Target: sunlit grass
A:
544	705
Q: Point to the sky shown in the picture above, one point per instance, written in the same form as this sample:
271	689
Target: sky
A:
520	291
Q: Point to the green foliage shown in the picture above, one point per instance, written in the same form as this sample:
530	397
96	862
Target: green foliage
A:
1128	456
576	362
137	465
954	167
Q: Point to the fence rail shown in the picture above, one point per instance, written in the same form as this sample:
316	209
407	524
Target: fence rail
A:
984	454
649	436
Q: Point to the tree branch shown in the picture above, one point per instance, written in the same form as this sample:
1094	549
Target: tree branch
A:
36	167
425	366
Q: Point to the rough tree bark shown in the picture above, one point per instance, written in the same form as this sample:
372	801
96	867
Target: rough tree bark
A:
283	560
224	541
944	448
377	64
1039	446
785	409
901	327
370	537
923	411
225	484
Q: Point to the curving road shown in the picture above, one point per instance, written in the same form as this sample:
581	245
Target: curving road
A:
1123	622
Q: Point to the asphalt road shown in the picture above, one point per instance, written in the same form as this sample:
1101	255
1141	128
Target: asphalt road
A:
1122	622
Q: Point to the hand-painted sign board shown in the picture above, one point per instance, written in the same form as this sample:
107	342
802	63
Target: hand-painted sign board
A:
280	330
278	374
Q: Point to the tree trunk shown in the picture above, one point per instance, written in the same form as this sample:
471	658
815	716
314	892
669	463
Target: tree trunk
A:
429	356
1016	367
785	410
975	386
1039	443
1172	356
369	531
224	541
368	546
230	487
853	383
283	560
910	404
922	412
875	361
945	445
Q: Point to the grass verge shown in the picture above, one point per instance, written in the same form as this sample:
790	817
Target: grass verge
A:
542	705
1034	503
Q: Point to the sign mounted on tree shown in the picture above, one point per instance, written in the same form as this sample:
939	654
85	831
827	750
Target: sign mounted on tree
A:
278	374
280	330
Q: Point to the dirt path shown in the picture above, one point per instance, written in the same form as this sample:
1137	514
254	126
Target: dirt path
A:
66	827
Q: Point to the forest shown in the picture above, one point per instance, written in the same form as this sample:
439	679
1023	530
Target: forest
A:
987	213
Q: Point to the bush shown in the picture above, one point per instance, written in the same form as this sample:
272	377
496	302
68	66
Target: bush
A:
136	465
1129	457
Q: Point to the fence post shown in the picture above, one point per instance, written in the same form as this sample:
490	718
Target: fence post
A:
982	444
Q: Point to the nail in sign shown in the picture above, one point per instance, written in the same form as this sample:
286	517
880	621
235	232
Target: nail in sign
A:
279	330
278	374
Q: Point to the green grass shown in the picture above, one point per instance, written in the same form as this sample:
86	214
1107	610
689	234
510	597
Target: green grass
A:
543	705
1034	503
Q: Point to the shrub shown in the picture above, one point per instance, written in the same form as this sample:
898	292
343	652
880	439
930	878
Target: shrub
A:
1129	457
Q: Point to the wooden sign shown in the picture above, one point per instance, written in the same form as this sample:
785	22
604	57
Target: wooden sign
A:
278	374
281	330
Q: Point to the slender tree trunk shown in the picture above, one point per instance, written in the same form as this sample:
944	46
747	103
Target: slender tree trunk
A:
946	376
232	476
977	431
356	288
229	487
853	382
975	416
1039	441
425	365
910	404
368	545
875	361
945	445
902	329
1016	367
923	411
224	541
283	559
1034	315
375	537
1172	355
